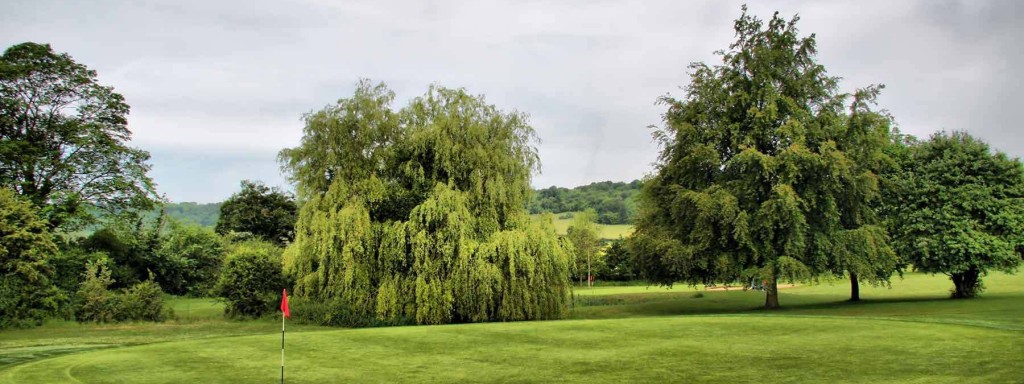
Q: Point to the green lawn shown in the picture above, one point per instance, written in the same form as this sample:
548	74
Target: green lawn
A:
910	333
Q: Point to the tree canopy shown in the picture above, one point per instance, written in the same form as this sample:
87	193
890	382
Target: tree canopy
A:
265	212
64	139
419	215
763	173
958	209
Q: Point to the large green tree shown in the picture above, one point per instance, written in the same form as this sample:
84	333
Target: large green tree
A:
958	209
763	172
265	212
419	215
64	139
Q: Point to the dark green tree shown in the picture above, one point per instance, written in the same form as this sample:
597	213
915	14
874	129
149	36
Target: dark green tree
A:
27	293
619	261
419	215
131	246
761	173
64	139
959	210
265	212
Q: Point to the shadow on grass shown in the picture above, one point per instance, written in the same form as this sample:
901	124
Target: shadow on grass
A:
14	356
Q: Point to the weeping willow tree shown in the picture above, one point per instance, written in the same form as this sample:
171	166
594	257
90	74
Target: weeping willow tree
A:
419	215
764	173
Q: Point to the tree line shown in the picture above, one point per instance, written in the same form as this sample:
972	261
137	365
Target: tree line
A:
420	214
65	166
613	202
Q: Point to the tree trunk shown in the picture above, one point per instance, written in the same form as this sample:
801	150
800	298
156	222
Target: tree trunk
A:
966	283
771	299
854	287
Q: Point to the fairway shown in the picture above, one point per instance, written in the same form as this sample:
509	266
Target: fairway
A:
909	333
708	349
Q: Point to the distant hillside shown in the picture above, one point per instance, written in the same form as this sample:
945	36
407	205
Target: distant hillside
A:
202	214
615	202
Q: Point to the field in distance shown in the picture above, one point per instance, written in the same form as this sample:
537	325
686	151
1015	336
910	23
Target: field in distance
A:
562	221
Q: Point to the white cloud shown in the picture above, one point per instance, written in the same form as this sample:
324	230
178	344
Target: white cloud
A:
229	80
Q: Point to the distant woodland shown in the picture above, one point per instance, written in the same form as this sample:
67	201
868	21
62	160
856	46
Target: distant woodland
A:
613	201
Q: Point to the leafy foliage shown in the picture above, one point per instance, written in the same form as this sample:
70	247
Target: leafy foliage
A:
251	279
618	262
268	213
586	243
27	292
131	247
958	209
65	139
614	202
94	302
205	215
419	215
188	260
761	168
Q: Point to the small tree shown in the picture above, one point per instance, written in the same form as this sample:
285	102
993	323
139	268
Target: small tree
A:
93	301
959	210
265	212
585	239
27	293
619	261
188	260
251	280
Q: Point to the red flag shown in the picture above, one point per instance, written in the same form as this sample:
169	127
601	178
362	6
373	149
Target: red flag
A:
284	304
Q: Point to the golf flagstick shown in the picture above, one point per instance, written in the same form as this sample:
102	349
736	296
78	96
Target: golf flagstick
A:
284	313
282	347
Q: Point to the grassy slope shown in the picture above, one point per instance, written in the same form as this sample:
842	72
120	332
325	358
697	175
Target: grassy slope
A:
608	232
910	333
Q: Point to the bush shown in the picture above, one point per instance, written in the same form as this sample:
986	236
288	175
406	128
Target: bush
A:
143	301
188	260
251	279
95	302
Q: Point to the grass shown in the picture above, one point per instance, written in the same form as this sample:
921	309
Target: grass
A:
910	333
605	231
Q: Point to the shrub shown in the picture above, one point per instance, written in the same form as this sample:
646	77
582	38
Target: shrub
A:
143	301
188	260
95	302
251	279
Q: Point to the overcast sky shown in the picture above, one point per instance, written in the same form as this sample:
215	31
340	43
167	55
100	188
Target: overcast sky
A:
217	88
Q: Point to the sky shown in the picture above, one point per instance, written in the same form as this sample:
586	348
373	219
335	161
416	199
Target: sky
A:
217	88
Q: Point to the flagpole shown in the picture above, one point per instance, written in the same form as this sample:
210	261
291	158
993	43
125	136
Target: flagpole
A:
282	347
